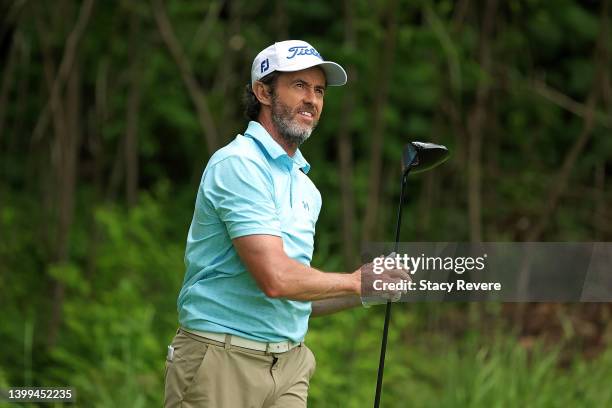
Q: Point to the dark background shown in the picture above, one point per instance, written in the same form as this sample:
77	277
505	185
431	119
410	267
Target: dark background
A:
109	111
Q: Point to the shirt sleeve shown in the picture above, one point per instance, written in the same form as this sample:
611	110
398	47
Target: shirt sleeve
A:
241	192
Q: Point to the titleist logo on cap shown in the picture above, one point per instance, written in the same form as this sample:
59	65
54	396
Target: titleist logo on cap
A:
302	50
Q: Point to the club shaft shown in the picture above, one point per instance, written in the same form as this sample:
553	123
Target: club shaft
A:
381	362
398	226
383	346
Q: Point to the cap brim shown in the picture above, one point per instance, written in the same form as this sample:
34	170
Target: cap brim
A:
335	75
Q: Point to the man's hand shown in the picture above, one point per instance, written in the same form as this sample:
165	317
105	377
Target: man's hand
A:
379	287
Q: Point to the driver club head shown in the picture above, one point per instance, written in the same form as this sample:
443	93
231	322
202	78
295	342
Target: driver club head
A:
418	157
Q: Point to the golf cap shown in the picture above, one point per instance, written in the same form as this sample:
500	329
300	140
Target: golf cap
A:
291	56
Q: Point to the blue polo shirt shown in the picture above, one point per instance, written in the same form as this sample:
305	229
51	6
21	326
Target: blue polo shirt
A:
251	186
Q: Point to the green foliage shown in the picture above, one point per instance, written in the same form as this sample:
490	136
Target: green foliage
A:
117	319
425	369
122	266
114	339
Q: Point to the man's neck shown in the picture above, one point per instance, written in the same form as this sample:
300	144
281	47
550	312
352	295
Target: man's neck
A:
265	120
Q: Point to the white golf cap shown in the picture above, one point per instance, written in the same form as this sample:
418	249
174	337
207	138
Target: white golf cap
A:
294	55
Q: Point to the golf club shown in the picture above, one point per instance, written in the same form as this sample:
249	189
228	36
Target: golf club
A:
416	157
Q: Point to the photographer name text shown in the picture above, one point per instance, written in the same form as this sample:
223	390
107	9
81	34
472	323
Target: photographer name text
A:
427	285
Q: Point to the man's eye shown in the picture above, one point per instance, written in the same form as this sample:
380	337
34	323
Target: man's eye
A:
320	92
299	85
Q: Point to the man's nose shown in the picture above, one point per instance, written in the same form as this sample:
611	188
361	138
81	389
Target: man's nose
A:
310	97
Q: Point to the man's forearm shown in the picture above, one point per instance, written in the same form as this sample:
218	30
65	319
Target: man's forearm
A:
300	282
280	276
324	307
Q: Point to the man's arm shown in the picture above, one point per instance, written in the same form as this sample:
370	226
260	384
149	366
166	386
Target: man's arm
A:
279	276
324	307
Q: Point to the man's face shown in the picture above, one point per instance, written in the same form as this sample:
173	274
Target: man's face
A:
297	103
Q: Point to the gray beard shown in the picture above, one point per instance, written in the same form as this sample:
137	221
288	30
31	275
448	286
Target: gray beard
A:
291	131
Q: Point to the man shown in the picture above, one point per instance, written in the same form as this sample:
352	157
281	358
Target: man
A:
249	289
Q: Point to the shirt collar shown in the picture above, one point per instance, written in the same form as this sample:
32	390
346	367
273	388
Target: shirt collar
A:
274	150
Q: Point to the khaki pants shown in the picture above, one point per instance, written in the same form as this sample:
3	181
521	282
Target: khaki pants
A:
208	374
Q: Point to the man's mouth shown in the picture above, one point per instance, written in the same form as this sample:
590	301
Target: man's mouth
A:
306	114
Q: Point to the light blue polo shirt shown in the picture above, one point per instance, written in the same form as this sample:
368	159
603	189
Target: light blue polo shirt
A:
251	186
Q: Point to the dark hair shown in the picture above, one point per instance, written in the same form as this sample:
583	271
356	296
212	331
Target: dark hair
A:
252	107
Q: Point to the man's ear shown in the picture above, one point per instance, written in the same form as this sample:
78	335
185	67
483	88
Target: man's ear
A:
263	93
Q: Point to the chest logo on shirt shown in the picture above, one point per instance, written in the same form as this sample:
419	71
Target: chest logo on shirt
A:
305	204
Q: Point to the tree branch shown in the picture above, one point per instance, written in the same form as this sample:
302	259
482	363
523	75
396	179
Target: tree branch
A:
562	100
198	97
65	67
558	187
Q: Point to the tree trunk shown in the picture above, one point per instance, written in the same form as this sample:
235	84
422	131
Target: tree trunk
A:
345	146
23	88
225	80
476	122
378	128
64	148
427	198
67	147
97	124
5	89
49	179
132	111
599	215
7	81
